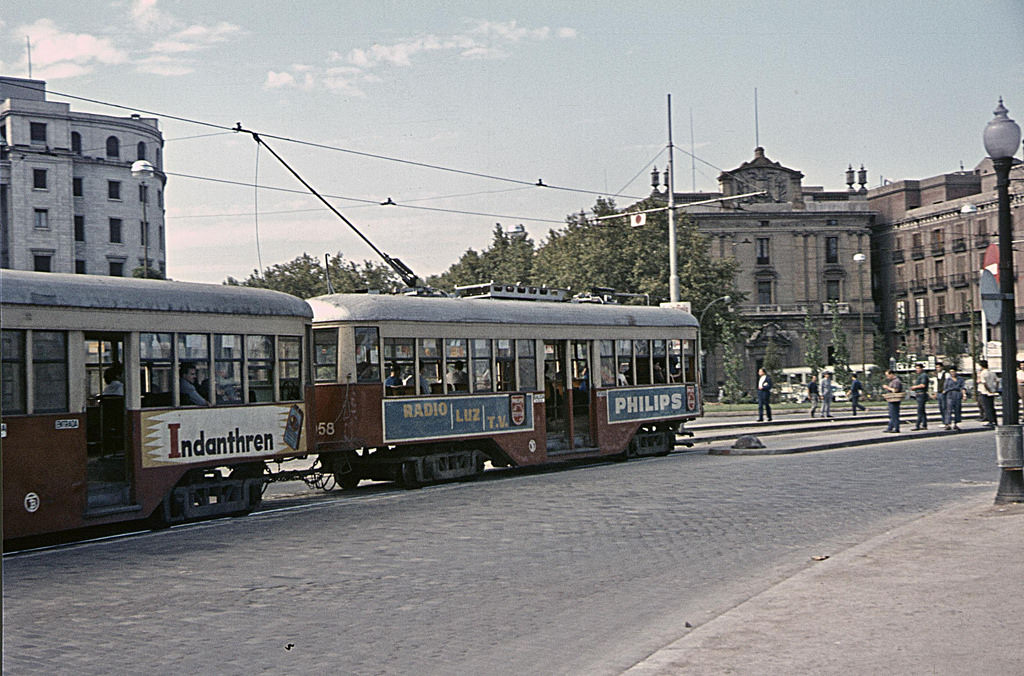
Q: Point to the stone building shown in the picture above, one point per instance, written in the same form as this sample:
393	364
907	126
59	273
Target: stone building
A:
68	199
796	249
931	237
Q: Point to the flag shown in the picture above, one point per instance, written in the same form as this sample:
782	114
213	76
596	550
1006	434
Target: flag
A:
636	220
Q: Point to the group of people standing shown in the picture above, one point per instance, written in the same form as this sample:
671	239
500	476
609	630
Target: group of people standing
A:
822	394
949	393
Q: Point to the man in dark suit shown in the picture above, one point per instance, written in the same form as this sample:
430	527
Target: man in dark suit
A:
764	395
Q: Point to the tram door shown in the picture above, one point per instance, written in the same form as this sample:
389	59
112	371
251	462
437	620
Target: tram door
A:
556	395
107	460
580	393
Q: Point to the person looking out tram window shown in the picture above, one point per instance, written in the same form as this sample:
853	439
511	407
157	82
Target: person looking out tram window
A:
113	377
187	386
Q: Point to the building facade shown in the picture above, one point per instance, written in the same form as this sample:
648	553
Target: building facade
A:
68	199
797	248
931	236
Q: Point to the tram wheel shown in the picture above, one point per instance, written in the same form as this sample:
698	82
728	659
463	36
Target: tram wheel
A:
407	475
348	481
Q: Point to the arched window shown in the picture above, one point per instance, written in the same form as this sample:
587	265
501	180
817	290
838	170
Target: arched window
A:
76	143
141	150
113	147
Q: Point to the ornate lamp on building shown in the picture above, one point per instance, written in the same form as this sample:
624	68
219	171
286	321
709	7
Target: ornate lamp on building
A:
1002	139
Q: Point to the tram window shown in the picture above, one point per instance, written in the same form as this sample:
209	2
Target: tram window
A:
289	361
259	360
642	351
624	362
194	348
227	367
13	354
430	366
100	355
481	369
50	371
527	350
675	361
504	365
156	362
580	365
607	365
658	357
325	355
367	355
456	379
689	362
399	355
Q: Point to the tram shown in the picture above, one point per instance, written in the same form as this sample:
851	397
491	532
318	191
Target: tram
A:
128	398
420	389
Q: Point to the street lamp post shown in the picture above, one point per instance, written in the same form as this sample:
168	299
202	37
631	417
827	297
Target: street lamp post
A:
859	259
142	169
1002	138
700	351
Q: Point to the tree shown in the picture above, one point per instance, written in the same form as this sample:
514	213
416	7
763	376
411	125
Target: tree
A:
812	346
951	344
509	259
840	351
153	273
732	365
304	277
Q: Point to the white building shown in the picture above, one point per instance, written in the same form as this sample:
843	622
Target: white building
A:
68	199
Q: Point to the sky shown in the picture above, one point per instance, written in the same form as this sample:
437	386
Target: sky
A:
498	96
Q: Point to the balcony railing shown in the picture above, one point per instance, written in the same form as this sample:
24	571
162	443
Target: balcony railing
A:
959	244
938	248
938	283
843	308
981	241
897	255
919	286
899	289
789	308
917	252
958	280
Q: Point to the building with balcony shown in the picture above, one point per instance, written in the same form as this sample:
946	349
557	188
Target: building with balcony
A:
795	247
68	199
929	301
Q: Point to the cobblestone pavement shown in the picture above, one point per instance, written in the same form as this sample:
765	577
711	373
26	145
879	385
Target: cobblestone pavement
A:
585	571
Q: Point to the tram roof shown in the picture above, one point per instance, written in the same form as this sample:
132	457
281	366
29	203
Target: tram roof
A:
18	287
372	308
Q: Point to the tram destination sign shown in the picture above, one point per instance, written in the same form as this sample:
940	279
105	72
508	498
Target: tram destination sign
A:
442	417
651	403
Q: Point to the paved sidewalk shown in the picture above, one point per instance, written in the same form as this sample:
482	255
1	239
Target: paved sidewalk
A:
940	595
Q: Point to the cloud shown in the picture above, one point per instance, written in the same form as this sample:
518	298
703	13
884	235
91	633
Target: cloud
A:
275	80
481	39
60	54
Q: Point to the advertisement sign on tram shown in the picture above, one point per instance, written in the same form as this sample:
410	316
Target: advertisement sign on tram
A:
191	435
651	403
440	417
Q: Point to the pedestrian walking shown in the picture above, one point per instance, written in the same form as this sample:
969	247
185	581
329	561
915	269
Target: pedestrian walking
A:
894	397
764	395
812	394
954	390
988	388
856	389
827	395
920	391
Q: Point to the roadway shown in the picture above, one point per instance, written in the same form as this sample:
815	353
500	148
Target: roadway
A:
589	570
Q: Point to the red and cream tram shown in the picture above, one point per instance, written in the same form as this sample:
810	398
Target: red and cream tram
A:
127	398
419	389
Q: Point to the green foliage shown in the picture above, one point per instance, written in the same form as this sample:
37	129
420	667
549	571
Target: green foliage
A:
951	345
813	356
304	277
840	351
153	273
509	259
732	365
